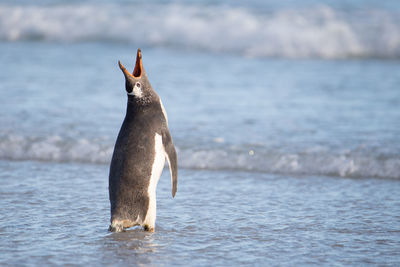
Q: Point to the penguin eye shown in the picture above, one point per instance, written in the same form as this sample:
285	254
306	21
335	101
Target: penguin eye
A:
138	84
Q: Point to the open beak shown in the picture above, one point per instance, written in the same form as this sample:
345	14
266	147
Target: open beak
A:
137	72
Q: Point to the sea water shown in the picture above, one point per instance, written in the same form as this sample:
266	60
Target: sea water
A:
285	117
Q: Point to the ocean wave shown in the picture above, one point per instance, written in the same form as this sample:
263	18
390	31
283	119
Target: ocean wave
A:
320	32
239	158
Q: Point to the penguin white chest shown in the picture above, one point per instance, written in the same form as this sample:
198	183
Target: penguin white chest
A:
156	170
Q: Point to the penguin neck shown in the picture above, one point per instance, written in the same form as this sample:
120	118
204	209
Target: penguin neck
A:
133	106
137	106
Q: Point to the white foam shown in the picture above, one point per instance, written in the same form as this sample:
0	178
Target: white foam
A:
310	161
54	148
314	32
301	163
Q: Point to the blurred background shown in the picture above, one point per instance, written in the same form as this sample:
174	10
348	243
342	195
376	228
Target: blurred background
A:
285	115
269	86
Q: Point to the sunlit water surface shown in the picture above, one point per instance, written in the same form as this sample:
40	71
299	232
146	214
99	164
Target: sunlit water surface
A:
58	214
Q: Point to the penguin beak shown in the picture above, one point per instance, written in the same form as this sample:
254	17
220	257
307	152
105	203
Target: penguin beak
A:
126	73
137	72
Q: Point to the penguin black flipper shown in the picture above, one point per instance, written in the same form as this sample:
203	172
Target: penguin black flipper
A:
170	154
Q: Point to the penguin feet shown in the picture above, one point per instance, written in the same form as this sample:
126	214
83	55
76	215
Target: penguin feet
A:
116	226
148	228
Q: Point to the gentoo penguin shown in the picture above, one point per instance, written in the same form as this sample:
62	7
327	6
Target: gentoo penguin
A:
139	155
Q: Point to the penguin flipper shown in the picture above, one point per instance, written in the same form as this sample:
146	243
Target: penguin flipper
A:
172	159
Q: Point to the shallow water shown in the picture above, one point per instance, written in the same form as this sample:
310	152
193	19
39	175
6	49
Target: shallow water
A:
58	214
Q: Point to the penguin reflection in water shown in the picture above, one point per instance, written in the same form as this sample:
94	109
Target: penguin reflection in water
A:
143	144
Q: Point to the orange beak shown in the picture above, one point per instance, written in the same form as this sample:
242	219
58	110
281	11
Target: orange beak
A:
137	72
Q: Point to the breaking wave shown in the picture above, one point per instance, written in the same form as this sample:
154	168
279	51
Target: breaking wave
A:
346	164
320	32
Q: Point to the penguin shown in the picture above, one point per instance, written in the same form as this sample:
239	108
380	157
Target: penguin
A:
142	146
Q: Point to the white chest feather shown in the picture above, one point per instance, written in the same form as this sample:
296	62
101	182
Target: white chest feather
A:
156	170
159	161
163	111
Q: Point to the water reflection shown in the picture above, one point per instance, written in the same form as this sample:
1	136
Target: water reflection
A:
133	246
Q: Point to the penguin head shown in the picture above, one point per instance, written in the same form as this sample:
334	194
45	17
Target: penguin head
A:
137	84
